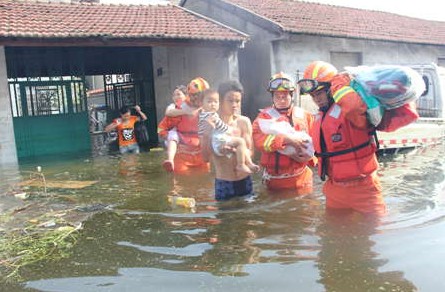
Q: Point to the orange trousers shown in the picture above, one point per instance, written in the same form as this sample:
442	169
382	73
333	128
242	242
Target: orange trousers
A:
364	195
185	162
302	183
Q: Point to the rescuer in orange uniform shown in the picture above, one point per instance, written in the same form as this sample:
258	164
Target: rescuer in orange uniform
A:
188	154
344	141
283	171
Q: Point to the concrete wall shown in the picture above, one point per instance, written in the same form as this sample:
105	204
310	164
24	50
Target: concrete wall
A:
294	54
8	153
271	50
255	59
173	66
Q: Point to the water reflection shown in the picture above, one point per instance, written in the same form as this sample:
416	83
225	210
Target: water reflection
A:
347	261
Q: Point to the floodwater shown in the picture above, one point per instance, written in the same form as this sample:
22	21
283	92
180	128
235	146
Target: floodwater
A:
269	242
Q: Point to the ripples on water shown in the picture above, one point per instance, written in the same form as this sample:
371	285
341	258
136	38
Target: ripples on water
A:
270	242
414	185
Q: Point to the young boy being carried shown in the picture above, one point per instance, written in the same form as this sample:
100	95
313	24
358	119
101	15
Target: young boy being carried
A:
223	139
184	152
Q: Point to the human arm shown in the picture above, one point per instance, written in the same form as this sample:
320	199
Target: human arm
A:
166	124
205	132
113	125
206	152
172	111
350	102
266	142
310	120
245	127
140	112
354	110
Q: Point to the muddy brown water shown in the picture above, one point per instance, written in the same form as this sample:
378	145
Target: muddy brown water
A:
137	241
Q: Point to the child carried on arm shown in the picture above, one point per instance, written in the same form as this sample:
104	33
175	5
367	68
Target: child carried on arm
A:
172	139
223	138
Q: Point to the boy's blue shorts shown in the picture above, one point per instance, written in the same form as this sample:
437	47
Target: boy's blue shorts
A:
225	190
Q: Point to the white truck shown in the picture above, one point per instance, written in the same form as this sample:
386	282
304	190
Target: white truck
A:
430	128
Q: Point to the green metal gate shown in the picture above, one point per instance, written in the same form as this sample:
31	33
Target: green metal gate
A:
50	115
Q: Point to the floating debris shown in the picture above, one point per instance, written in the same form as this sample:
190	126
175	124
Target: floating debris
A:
22	196
93	207
29	246
182	201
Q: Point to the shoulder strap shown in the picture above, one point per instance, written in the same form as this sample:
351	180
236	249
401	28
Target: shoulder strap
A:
273	113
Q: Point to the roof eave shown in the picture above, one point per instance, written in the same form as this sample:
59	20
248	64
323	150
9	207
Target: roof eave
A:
363	38
116	42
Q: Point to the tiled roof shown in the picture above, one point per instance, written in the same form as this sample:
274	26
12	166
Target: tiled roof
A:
321	19
49	20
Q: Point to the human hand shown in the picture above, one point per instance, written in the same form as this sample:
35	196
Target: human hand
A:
211	122
303	154
137	108
228	149
301	157
296	142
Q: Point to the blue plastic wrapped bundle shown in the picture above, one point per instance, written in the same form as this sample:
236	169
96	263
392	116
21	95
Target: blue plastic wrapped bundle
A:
392	86
375	110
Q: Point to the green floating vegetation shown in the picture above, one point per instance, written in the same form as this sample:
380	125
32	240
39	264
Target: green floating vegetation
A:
28	246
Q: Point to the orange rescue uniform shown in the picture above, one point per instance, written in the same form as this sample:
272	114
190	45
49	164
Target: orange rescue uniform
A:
188	154
280	171
344	143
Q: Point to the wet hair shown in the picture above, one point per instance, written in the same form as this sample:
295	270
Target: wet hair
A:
208	92
182	88
124	109
230	85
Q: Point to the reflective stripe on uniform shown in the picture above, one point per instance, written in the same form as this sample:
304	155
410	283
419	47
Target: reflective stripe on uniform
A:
342	92
268	142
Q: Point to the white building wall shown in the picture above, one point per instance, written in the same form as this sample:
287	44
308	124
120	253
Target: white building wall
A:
178	65
8	153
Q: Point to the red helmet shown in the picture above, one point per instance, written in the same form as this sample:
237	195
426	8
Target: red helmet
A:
281	82
197	85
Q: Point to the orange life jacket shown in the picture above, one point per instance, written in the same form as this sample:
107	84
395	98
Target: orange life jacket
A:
345	152
275	162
